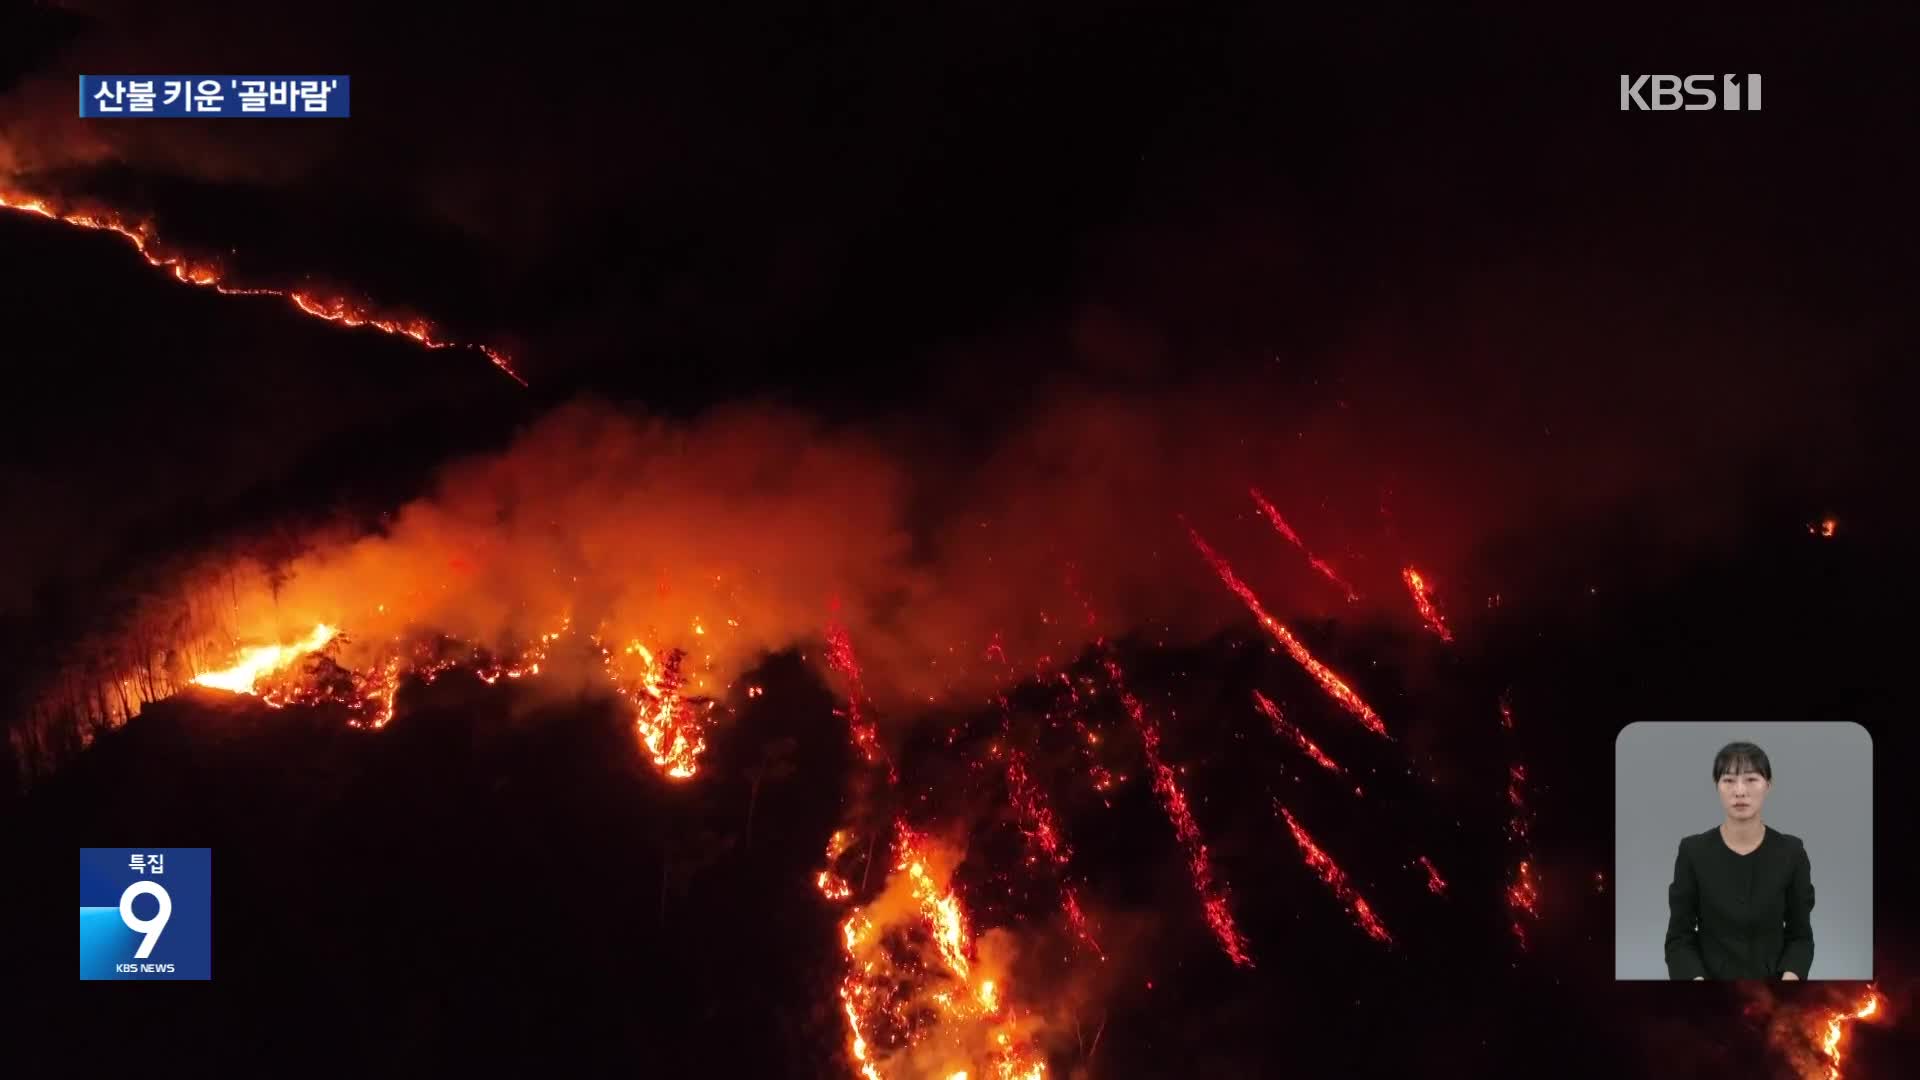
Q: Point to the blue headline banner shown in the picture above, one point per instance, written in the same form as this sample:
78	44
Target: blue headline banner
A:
303	96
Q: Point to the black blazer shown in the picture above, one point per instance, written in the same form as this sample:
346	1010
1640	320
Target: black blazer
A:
1734	916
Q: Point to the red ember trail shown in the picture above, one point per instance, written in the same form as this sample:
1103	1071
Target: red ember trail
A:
1043	831
1280	525
1333	684
1335	878
1429	614
866	737
1282	727
1523	892
1436	884
1213	896
336	309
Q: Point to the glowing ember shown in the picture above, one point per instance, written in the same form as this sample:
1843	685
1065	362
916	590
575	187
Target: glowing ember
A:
1423	602
263	660
1333	684
1280	525
1035	815
1043	832
1336	879
1436	884
1523	893
840	657
1517	820
1523	898
1199	863
334	309
1282	727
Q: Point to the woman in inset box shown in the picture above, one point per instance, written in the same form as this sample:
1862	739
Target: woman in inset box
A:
1742	893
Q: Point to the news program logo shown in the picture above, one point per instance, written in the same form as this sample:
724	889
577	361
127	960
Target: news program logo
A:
1694	93
146	913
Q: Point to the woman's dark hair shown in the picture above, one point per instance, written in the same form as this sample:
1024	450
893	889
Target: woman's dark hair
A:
1739	757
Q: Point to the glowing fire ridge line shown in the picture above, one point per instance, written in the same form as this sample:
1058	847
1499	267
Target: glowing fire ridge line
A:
1213	897
1335	686
673	736
205	275
1280	525
1335	878
1282	727
1423	602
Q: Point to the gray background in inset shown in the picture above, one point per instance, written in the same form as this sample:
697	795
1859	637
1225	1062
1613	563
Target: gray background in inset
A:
1663	789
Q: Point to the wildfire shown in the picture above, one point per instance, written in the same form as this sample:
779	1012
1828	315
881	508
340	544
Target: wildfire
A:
1280	525
669	727
1282	727
1333	684
1836	1028
1336	879
1824	528
1436	884
945	1006
335	309
1423	601
1213	898
260	661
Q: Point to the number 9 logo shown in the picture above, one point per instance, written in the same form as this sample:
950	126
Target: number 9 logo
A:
150	927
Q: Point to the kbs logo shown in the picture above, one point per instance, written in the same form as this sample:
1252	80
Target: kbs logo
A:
146	914
1694	93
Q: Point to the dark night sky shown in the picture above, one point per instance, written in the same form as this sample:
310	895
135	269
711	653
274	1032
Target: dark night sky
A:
1553	338
1446	225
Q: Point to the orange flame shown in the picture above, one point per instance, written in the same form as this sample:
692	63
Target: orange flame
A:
891	1007
1835	1029
335	309
673	734
260	661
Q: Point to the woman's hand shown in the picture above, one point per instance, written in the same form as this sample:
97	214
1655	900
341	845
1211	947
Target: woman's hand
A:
1790	975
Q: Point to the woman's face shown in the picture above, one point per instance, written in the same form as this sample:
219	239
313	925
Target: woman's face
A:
1741	794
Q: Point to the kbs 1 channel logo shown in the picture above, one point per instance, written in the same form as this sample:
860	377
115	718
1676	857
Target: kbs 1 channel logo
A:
146	913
